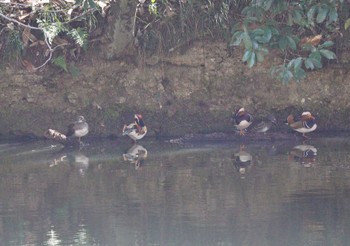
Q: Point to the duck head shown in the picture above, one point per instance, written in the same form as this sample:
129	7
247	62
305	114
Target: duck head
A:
307	116
81	118
139	120
272	119
239	112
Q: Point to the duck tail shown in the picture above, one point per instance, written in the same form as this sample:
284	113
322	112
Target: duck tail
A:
290	119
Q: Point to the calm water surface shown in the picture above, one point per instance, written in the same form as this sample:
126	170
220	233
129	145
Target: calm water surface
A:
157	193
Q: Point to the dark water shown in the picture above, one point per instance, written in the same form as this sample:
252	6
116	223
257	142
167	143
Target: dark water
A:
262	193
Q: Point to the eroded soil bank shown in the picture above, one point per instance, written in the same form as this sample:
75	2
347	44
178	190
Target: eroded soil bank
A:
191	92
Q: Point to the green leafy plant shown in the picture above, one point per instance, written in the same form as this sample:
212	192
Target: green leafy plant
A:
13	47
274	24
60	61
59	25
80	36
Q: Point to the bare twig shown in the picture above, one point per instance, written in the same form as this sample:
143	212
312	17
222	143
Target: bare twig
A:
51	50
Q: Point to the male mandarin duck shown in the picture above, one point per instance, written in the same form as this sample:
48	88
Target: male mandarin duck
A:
136	130
242	120
264	125
242	160
137	154
306	123
78	129
305	154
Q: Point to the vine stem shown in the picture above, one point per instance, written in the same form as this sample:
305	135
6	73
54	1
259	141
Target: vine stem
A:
51	50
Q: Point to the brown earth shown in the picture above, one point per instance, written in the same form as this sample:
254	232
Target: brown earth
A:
190	92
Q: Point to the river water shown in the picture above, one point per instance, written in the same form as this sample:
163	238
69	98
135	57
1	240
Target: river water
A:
158	193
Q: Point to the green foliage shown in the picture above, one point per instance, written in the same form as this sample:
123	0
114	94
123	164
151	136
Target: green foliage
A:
74	71
13	48
80	36
70	23
51	29
347	24
255	25
86	4
276	24
60	61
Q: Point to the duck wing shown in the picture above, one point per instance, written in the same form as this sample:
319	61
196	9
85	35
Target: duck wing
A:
130	128
71	130
296	125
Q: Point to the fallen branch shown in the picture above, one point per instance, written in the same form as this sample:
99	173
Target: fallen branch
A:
62	138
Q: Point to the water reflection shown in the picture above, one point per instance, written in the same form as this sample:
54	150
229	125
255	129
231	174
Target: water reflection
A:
304	154
242	160
190	195
73	158
136	155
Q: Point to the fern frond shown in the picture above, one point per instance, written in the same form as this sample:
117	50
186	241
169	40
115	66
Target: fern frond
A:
80	36
51	30
60	61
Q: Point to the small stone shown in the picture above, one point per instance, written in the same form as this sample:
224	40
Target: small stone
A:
302	100
30	98
120	100
72	97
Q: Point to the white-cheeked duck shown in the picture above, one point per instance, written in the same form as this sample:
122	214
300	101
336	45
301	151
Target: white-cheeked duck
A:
136	130
305	124
242	120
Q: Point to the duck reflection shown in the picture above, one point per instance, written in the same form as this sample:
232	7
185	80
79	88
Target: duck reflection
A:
304	154
75	159
137	154
79	161
242	160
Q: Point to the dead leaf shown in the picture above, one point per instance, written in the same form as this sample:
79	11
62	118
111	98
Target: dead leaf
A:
24	16
25	36
29	66
314	40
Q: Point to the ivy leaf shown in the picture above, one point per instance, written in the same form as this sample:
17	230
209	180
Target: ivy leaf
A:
309	64
246	55
291	43
333	15
290	19
347	24
297	63
297	15
92	4
267	4
286	76
259	56
237	38
247	41
322	14
311	13
316	62
251	60
282	43
328	54
326	44
299	74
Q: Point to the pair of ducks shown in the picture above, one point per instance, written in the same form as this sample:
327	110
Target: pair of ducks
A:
136	130
242	120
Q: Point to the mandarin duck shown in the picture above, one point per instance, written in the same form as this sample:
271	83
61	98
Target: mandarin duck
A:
264	125
305	154
306	123
78	129
136	155
136	130
242	160
242	120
